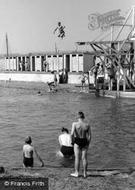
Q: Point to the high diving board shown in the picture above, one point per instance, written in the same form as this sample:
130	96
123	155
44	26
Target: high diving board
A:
102	42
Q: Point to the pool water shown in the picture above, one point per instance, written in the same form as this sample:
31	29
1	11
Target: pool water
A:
23	113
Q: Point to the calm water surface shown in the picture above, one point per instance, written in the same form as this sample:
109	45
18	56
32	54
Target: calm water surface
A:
24	113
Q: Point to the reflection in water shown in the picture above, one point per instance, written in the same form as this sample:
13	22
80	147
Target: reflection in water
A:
24	113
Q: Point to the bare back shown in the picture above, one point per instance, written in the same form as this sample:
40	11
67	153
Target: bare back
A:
81	129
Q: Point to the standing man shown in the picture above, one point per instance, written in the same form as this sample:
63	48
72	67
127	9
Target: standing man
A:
81	133
83	81
95	74
45	65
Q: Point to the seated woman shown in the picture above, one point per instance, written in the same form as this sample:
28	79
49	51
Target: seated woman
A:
28	151
66	147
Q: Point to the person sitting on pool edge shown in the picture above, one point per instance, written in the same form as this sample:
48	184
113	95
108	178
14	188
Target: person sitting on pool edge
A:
66	147
28	151
52	83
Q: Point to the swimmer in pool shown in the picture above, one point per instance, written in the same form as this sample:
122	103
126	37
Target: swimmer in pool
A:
28	151
81	134
39	93
66	147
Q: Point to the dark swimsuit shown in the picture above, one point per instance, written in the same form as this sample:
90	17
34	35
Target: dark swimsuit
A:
81	142
28	162
67	150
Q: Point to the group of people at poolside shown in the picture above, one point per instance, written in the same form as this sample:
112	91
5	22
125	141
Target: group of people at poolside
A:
54	80
71	145
60	78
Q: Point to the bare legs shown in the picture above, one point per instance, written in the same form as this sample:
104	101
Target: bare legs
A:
85	163
78	153
77	158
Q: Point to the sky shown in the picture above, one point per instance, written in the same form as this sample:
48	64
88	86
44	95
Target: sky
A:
29	24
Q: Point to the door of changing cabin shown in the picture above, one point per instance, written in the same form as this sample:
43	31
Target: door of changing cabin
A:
67	67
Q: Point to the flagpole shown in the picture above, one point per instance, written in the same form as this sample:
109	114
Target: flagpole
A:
57	55
7	49
7	45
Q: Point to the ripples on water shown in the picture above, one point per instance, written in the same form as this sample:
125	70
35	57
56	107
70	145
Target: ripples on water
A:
24	113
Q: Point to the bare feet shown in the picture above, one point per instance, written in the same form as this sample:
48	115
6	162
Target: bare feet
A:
85	175
74	174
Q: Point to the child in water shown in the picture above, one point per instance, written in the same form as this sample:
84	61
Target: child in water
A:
28	151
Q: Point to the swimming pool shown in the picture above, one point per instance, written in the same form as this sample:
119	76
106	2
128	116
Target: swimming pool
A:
23	112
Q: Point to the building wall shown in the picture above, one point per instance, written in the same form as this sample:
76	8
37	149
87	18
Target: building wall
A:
50	62
13	64
55	63
2	64
76	62
74	78
88	62
81	62
73	62
38	63
61	62
7	61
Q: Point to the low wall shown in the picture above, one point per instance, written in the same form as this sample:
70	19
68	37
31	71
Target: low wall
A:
30	77
73	78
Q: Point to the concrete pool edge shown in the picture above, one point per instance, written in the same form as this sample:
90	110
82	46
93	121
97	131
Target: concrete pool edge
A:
60	178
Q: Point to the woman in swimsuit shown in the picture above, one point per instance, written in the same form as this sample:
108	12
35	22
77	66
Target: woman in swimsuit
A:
81	134
65	141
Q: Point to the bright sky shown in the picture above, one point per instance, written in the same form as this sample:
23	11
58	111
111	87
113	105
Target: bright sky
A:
30	23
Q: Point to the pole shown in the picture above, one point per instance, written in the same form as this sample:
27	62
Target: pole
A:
133	17
7	49
7	45
57	55
133	21
112	27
